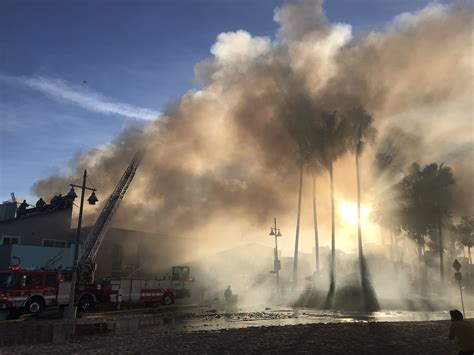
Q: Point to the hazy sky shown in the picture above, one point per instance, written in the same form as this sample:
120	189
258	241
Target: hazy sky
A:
74	73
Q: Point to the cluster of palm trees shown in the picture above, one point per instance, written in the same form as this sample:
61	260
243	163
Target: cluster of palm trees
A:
322	138
464	234
419	207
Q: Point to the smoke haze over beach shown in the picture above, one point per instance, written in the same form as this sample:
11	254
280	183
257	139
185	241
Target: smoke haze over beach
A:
220	162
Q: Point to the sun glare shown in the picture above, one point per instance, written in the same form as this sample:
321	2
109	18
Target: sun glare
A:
348	212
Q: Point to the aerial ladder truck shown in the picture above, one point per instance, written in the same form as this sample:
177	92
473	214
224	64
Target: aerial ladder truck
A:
87	265
35	290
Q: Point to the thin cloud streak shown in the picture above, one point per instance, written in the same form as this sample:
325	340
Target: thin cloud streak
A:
86	98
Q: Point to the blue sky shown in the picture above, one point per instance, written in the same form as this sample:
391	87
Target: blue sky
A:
135	56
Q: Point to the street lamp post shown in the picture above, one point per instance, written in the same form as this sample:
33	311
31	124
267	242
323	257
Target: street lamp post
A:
70	312
274	231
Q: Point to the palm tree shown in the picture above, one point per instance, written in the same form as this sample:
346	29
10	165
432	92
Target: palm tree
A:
298	218
362	129
412	210
315	223
314	166
435	186
425	203
296	112
329	138
465	231
385	210
444	178
413	216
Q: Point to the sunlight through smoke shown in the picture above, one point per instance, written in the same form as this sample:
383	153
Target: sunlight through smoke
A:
348	211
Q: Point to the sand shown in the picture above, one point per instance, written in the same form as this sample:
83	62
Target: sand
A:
352	338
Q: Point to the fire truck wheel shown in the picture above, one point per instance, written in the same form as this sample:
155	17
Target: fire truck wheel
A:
168	298
34	305
86	303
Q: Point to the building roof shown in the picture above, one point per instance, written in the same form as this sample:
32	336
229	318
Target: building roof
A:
35	212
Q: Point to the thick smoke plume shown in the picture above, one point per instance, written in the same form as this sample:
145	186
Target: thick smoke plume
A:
220	162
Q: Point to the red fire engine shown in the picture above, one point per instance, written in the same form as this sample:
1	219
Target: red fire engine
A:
34	290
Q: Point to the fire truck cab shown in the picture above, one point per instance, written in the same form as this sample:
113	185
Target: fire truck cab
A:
34	290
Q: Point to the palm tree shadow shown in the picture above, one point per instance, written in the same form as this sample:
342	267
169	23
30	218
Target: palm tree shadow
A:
371	302
330	296
357	294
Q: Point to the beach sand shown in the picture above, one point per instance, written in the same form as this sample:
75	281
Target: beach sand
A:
354	338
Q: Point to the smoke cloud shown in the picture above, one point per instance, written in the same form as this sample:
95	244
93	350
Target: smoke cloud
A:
220	162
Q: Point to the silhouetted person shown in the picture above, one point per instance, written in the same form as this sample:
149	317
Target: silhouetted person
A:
68	201
57	201
40	204
54	201
228	294
21	210
463	330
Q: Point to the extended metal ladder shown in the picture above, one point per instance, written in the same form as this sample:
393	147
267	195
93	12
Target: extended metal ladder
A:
97	233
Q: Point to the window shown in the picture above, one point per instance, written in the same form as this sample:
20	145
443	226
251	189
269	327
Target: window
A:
32	281
37	281
9	240
8	280
180	273
54	243
51	280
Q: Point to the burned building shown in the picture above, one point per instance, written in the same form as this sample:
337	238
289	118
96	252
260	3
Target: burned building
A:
36	236
47	226
131	253
42	236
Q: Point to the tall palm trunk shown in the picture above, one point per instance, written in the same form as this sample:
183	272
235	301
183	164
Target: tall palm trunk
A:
396	252
295	260
441	259
469	261
315	220
392	246
370	299
332	275
359	227
423	271
333	232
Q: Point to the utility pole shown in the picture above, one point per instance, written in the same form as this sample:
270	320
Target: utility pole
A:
70	311
276	263
458	278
